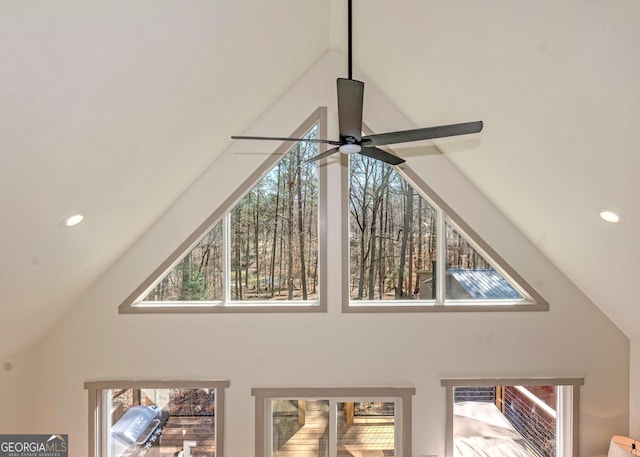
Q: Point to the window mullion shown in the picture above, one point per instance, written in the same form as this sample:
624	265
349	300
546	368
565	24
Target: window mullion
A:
564	424
398	438
560	438
333	428
268	420
226	259
105	422
441	257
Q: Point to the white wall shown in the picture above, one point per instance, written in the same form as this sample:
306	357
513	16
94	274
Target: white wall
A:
94	342
18	383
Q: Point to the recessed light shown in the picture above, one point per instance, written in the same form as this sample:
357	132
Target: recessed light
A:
73	220
609	216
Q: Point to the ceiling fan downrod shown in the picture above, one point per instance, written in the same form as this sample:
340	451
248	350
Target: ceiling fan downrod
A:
350	41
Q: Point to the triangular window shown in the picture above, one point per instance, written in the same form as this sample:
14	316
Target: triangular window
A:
261	252
405	252
265	248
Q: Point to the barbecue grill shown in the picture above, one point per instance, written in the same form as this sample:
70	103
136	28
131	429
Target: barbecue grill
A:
137	425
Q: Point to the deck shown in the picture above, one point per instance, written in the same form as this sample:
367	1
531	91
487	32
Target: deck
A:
168	441
364	438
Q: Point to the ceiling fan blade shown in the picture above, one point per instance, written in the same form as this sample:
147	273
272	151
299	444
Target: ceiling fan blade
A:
384	156
428	133
350	100
322	155
278	138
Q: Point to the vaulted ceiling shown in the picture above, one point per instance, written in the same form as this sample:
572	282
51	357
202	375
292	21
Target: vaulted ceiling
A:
115	108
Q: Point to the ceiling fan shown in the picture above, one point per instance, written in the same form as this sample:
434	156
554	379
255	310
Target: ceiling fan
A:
350	102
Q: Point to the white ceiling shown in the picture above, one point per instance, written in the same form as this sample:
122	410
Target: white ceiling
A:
115	108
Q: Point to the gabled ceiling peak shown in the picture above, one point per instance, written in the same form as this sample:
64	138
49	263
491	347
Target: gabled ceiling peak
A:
338	26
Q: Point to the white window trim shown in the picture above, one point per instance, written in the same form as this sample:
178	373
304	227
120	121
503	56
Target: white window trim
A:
99	414
263	396
570	426
133	304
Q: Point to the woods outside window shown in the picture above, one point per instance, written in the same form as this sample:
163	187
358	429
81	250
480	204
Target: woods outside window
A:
264	251
409	252
403	248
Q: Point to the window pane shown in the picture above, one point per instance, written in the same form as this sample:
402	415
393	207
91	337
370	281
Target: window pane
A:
300	428
392	232
366	428
274	232
470	276
158	422
196	277
505	420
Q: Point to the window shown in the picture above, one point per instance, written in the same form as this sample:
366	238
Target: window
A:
333	422
198	276
268	242
518	417
408	253
265	248
273	232
392	234
156	418
262	251
469	276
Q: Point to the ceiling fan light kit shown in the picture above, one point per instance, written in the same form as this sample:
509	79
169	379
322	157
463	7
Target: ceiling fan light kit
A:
350	148
350	103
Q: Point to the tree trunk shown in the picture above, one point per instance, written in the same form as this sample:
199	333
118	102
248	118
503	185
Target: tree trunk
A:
303	273
290	193
419	258
274	248
256	240
408	211
238	270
